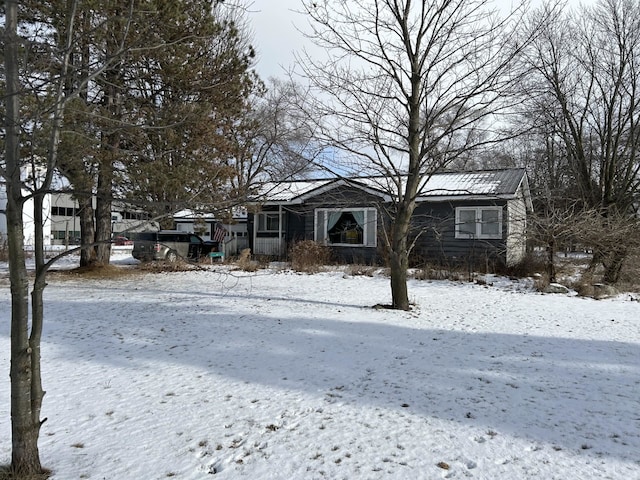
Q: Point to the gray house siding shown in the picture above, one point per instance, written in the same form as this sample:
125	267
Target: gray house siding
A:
469	218
337	199
299	223
434	226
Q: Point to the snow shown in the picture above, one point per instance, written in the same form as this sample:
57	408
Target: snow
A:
278	375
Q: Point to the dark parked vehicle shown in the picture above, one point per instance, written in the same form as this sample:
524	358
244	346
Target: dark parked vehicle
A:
169	245
122	241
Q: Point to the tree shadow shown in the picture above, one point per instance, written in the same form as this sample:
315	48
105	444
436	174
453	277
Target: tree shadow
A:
570	393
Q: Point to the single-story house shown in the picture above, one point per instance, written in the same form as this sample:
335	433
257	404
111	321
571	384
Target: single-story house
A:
230	231
460	217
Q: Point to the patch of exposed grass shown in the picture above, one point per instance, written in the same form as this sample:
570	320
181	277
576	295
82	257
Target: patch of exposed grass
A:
361	270
161	267
8	473
98	272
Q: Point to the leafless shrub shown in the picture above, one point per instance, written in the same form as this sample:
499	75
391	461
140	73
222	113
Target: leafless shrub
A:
440	272
630	274
531	265
308	256
610	237
245	263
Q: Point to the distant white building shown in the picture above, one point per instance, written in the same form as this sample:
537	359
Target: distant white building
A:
62	220
65	219
61	214
27	218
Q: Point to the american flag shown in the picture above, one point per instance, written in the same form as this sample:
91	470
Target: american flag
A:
219	234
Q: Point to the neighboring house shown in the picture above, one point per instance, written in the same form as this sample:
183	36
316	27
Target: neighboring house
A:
460	217
230	232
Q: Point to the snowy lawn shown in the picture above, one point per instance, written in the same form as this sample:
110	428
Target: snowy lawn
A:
276	375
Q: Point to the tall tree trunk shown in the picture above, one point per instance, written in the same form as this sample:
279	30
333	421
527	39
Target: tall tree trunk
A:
25	428
87	230
551	260
25	424
613	265
110	145
37	308
399	257
103	212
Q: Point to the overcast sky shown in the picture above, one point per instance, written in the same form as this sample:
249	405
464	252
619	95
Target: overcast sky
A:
275	36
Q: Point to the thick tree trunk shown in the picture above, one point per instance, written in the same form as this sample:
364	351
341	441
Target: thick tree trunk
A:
103	213
399	291
110	146
613	265
87	231
551	261
399	257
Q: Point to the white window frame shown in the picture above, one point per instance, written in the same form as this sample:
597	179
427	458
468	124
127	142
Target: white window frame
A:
369	234
262	222
478	223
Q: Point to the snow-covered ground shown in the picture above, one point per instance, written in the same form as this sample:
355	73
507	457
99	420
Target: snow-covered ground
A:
277	375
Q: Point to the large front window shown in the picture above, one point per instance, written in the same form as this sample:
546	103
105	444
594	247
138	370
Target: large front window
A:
479	222
353	227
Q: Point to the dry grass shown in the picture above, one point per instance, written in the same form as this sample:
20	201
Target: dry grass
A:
98	272
439	272
630	275
361	270
308	256
245	263
8	473
161	267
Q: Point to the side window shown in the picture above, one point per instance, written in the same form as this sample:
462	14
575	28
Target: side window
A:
167	237
466	223
268	222
479	222
490	224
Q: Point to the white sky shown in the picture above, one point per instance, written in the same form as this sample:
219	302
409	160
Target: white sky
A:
274	23
275	36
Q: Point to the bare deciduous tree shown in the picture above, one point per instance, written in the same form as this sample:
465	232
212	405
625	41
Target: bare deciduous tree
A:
583	97
276	139
408	88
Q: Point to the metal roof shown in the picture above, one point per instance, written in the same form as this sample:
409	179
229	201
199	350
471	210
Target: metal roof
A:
500	183
488	182
288	191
